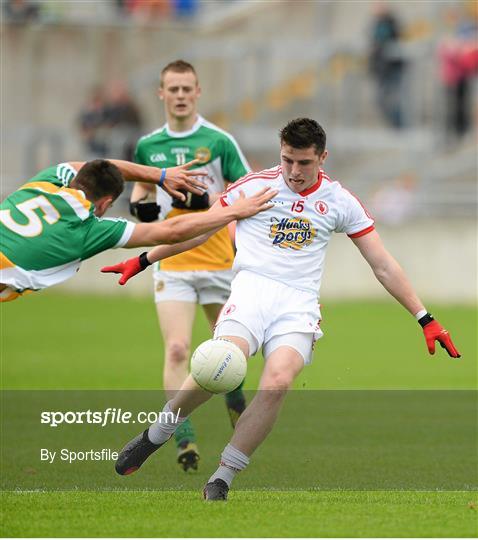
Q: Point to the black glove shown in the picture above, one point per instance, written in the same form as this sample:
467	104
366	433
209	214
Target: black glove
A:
145	211
193	201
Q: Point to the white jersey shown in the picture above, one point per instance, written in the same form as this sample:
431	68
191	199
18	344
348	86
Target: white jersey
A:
288	242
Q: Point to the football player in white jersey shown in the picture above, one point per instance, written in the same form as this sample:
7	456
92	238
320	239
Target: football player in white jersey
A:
273	303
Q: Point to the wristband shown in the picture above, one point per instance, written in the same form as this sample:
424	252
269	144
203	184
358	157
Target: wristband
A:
163	176
143	260
420	314
426	319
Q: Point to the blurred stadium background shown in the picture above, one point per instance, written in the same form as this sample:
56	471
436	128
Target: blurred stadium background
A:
401	117
260	64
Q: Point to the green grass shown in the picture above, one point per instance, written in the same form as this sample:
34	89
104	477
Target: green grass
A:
54	341
246	514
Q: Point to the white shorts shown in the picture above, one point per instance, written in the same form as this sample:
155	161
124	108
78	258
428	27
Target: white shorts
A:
271	310
201	287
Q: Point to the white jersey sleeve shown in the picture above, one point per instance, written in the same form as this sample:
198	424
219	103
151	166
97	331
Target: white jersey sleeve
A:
353	218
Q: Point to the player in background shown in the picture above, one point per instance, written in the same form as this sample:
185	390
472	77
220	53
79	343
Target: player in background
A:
201	275
53	222
273	302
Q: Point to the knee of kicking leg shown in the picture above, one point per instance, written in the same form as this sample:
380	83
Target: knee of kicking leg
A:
277	380
177	352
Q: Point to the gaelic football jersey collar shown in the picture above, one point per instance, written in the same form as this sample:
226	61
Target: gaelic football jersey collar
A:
181	134
313	188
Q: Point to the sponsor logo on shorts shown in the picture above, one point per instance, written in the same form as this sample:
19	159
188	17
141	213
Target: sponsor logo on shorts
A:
321	207
159	286
294	233
203	154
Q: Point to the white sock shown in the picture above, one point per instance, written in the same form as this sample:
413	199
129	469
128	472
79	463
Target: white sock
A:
165	426
232	461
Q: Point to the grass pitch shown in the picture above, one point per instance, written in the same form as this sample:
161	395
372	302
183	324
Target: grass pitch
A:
55	341
245	514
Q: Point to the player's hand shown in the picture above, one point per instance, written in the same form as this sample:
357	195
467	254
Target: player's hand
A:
128	268
250	206
180	178
434	331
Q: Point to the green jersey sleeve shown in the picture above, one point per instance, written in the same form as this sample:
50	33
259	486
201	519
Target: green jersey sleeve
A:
136	153
60	175
106	233
138	156
234	164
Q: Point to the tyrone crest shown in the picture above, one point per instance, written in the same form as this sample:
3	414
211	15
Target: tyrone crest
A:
321	207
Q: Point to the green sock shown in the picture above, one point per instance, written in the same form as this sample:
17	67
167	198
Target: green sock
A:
185	432
235	397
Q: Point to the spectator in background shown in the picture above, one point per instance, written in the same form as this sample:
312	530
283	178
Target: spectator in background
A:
387	64
122	119
20	11
122	7
153	10
185	8
92	124
150	10
458	65
110	122
395	202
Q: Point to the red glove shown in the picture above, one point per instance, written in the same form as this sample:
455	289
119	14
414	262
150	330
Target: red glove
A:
128	268
433	330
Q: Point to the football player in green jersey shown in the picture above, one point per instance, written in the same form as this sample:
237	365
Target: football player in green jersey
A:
54	221
203	274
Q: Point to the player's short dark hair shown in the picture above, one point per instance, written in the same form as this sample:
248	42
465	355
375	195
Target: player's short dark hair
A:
304	133
178	66
98	178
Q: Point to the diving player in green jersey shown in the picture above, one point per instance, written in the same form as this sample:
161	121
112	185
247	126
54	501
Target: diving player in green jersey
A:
53	222
203	274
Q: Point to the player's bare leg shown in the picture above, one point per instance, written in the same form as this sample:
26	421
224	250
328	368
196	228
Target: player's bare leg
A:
281	368
185	401
176	321
235	400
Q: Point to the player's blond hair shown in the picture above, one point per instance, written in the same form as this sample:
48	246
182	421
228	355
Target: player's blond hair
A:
178	66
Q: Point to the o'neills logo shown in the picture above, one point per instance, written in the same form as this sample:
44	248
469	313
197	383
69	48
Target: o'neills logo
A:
294	233
222	367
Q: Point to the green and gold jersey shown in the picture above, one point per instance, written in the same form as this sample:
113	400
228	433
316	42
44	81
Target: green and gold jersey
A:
48	228
223	161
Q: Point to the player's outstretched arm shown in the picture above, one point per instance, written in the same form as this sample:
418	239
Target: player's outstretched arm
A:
172	180
181	228
393	278
135	265
240	209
